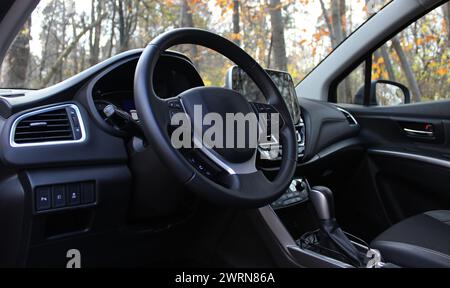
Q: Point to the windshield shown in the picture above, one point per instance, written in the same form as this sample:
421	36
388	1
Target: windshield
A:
64	37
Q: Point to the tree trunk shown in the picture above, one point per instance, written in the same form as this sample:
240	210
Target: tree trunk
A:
417	95
43	63
236	24
75	54
338	35
446	11
63	42
95	33
387	62
121	26
328	22
278	42
188	21
113	28
343	19
18	59
336	22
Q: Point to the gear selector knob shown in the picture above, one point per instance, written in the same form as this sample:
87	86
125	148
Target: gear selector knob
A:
323	202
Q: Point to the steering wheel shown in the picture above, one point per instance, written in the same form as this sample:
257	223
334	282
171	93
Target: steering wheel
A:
224	176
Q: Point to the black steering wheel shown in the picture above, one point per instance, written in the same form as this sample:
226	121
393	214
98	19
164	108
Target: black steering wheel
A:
224	176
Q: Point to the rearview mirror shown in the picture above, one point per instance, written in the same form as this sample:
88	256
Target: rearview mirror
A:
389	93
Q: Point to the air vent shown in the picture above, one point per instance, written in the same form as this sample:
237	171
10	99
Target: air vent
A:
53	125
350	119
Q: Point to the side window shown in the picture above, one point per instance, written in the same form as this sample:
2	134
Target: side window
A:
351	89
411	67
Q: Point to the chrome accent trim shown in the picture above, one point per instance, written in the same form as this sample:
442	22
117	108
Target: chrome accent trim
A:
349	114
410	156
335	263
12	143
418	132
287	243
246	167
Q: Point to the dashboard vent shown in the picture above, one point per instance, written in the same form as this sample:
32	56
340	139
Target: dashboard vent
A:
57	124
350	119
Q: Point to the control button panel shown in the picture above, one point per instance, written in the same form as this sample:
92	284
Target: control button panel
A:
296	193
60	196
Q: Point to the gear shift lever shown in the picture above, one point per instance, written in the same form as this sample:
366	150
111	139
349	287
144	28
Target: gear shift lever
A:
323	202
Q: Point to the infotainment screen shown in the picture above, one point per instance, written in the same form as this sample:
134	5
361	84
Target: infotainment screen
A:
238	80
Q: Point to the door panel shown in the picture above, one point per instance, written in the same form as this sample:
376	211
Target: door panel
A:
411	171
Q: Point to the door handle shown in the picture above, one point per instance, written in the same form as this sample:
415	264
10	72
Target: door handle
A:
418	133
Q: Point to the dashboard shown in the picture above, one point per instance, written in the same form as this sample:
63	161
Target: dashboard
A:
111	82
107	174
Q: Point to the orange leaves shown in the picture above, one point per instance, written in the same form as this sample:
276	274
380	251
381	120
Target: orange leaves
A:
320	33
442	71
379	69
235	36
431	38
170	3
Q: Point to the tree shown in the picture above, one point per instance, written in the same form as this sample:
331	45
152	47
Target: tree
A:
387	62
127	11
446	12
61	58
417	95
277	39
187	20
236	23
95	32
18	58
334	18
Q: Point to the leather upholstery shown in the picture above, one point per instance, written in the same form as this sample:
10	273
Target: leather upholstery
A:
419	241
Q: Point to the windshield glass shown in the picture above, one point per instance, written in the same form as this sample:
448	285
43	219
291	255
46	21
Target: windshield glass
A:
64	37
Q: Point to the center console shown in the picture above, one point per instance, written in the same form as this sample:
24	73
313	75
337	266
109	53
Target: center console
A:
308	234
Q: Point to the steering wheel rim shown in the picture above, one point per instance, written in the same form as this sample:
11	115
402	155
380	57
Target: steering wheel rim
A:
250	189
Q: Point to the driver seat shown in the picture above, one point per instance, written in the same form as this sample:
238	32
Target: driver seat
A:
419	241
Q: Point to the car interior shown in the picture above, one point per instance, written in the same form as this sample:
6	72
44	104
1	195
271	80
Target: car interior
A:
88	163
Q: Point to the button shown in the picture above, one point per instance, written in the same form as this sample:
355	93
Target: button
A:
200	167
59	196
72	112
74	194
43	198
76	123
175	104
88	193
77	132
